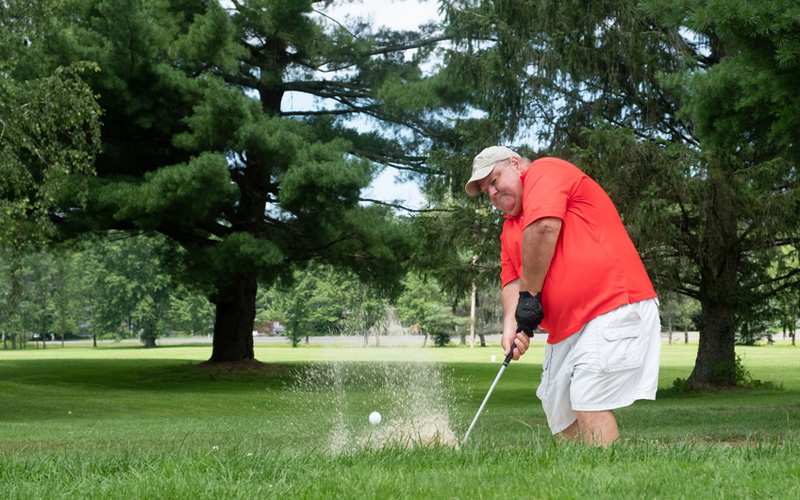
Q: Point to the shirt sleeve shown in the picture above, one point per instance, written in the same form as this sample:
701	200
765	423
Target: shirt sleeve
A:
547	189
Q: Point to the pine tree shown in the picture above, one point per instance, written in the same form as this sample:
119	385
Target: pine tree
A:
197	143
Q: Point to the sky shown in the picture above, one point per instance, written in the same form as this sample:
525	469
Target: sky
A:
399	15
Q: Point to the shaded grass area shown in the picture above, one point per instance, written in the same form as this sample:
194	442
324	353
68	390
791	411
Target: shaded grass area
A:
122	422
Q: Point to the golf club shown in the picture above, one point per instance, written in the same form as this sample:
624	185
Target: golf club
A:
502	369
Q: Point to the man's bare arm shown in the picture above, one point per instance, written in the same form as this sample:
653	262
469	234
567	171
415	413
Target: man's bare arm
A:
509	297
538	246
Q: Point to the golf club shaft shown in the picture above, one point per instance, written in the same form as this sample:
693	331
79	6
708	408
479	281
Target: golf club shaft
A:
502	369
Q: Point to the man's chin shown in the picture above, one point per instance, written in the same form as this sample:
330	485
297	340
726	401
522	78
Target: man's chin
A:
514	211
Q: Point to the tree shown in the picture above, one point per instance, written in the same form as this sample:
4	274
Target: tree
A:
309	302
422	303
678	311
198	146
324	300
108	286
681	110
788	308
49	137
367	309
11	294
127	291
66	295
190	313
49	129
45	285
37	307
295	313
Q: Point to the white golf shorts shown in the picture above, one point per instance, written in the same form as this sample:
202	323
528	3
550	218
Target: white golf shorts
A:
610	363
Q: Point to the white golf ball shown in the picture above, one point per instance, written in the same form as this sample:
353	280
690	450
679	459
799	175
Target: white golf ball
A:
374	418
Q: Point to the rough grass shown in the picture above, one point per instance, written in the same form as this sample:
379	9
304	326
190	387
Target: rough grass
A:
123	422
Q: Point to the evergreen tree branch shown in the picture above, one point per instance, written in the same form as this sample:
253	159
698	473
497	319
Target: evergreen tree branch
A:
408	46
401	207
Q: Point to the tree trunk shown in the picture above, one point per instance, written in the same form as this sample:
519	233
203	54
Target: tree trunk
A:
719	285
721	254
149	342
62	326
716	356
233	325
483	339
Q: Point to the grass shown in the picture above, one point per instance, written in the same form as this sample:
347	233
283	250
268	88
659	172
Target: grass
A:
124	422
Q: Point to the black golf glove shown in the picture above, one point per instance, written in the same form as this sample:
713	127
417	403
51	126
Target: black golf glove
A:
529	312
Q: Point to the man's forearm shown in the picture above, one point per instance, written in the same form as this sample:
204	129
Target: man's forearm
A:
509	297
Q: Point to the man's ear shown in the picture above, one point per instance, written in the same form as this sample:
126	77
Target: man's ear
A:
517	164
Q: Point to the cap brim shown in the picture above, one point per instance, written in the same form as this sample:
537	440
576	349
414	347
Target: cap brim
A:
472	185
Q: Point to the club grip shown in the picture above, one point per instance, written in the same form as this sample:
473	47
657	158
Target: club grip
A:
510	354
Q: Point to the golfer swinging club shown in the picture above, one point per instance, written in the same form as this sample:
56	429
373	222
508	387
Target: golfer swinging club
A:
568	264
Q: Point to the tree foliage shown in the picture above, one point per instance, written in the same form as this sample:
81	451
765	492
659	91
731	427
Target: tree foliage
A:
313	302
106	288
125	287
49	136
198	143
683	111
424	305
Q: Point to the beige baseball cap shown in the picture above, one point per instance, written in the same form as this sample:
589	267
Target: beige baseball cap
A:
483	164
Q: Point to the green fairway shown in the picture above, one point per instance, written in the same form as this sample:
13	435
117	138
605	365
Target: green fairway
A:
119	421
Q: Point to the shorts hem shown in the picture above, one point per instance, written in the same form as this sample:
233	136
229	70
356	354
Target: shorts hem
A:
615	405
562	428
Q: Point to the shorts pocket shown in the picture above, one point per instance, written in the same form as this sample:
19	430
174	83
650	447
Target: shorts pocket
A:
623	346
544	386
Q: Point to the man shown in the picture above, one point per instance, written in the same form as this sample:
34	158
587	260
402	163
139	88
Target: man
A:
569	265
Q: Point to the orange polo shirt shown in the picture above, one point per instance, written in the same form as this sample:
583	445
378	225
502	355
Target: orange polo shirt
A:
595	267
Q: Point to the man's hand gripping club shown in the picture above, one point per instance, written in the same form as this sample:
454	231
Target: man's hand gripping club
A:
529	315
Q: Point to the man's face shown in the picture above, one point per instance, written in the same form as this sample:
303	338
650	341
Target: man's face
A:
504	186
